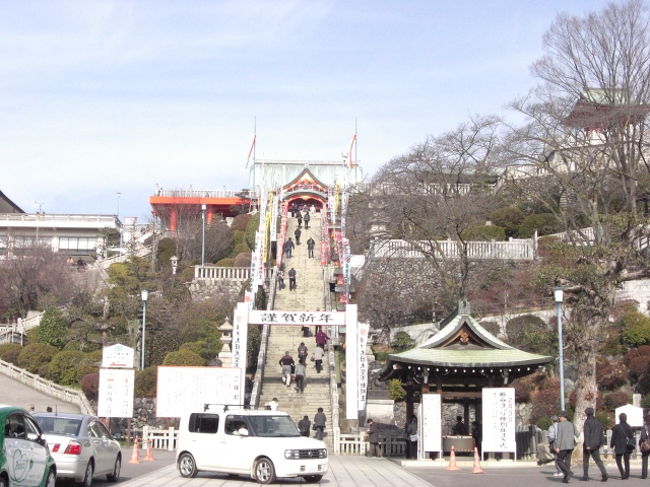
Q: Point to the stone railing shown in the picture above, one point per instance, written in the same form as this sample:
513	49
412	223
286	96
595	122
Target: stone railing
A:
520	249
50	388
213	272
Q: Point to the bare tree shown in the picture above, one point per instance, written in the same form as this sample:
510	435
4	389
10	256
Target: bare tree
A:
582	152
438	192
32	278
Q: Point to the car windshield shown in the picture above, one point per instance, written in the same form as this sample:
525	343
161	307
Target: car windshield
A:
275	426
59	426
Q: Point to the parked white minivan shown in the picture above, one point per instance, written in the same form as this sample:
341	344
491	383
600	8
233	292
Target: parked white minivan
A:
261	444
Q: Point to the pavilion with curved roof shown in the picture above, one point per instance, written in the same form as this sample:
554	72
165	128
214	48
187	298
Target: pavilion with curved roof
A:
458	361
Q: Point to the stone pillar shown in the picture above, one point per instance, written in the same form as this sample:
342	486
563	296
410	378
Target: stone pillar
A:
226	338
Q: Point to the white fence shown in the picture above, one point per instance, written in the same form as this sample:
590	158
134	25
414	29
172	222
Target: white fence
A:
515	249
34	381
224	273
161	439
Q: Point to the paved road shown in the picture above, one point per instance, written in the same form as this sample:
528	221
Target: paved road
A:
348	471
20	395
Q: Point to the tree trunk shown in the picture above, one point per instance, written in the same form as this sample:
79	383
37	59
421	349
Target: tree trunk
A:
586	387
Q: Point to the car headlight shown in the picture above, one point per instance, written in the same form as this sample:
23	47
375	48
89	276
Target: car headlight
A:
292	454
322	453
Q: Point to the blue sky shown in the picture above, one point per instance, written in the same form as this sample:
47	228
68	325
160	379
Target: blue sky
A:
115	96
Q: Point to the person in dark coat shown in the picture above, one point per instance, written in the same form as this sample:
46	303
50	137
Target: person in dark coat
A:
297	234
292	279
299	217
306	218
304	425
593	439
319	424
288	247
310	247
621	433
645	434
374	439
411	430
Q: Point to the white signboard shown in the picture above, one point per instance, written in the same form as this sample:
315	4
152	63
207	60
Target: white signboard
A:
184	389
429	425
352	362
634	415
499	420
117	355
239	344
115	398
364	329
301	318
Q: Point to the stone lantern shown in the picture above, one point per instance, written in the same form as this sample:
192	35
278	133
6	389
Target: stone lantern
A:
226	338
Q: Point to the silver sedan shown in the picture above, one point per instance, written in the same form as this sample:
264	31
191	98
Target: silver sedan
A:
81	446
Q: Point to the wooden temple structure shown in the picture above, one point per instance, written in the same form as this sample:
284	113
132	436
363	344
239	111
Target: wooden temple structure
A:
457	362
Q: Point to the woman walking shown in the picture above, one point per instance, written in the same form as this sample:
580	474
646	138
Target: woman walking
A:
621	435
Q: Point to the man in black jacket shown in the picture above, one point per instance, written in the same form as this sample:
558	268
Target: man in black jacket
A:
593	432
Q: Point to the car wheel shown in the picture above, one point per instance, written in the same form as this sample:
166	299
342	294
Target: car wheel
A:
187	465
51	479
117	468
312	478
264	471
88	475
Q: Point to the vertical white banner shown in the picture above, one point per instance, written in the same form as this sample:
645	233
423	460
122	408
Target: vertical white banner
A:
429	425
115	398
364	329
498	420
351	362
274	218
240	342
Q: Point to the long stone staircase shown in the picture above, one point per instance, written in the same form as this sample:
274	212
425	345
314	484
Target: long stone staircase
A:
308	297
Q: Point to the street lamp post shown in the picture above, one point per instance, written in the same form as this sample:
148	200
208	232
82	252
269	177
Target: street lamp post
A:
558	294
203	208
145	296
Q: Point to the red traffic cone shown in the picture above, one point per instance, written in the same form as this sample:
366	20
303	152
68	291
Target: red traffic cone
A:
452	460
149	457
135	455
477	462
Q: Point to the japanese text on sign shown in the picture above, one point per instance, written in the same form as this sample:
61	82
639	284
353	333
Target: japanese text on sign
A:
499	419
259	317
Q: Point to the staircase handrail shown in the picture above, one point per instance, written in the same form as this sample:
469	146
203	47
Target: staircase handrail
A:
264	340
331	363
37	382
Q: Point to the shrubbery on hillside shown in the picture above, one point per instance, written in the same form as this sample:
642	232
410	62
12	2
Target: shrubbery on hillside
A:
35	355
9	352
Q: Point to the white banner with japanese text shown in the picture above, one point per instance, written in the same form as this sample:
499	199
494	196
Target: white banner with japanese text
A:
351	363
115	397
364	330
239	344
180	390
429	425
302	318
498	419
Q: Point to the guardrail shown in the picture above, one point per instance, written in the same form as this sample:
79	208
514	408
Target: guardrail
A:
357	444
50	388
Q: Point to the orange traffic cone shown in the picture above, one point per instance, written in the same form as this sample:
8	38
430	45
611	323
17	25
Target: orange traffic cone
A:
477	462
452	460
149	457
135	456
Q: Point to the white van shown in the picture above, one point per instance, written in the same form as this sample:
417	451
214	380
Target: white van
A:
261	444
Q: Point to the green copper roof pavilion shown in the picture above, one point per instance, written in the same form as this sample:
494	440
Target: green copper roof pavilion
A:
459	360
